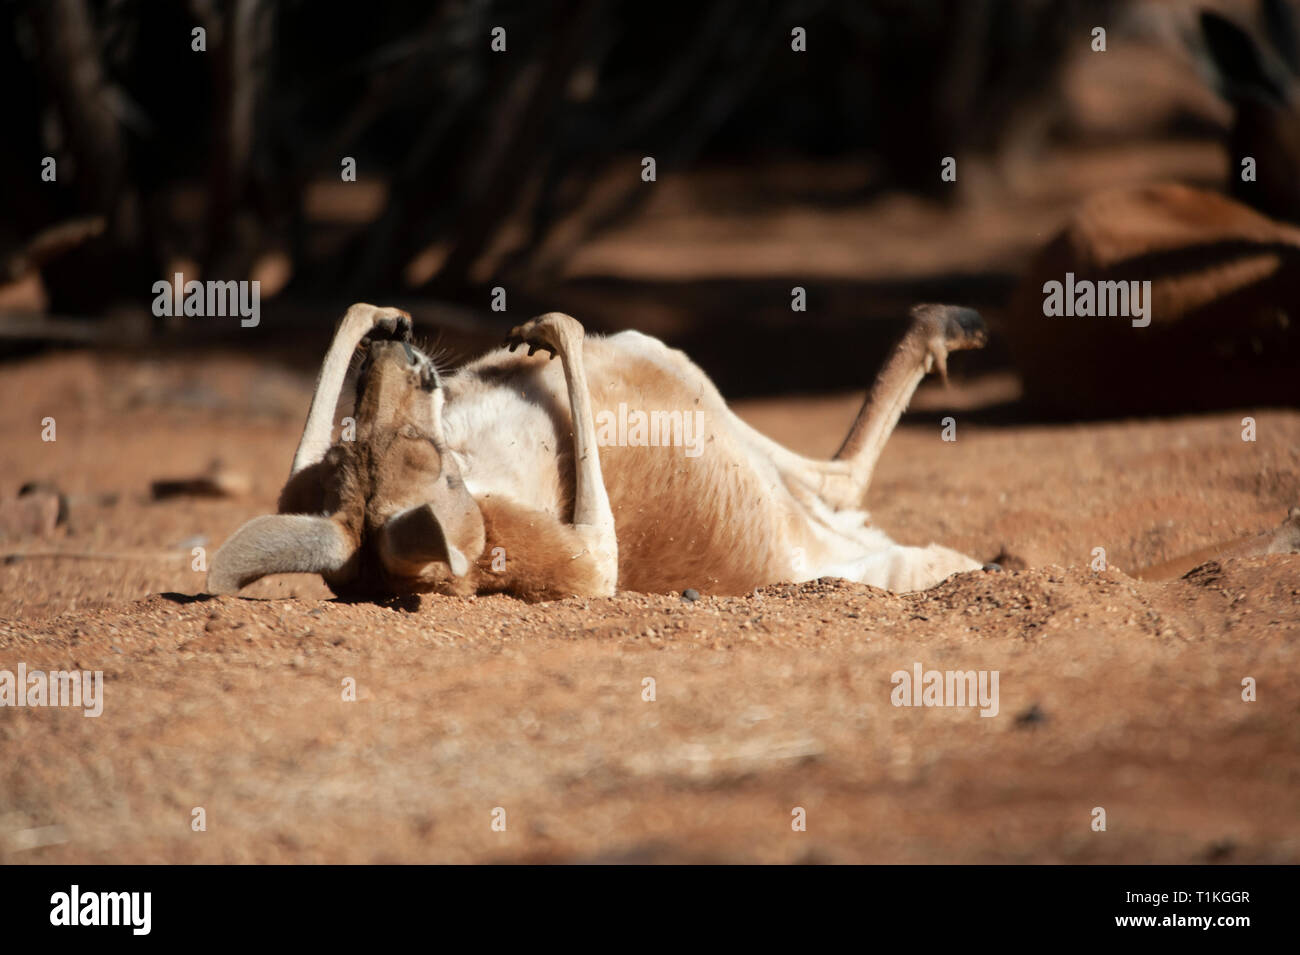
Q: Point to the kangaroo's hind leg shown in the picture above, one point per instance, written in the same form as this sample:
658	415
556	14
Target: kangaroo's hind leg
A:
935	331
842	482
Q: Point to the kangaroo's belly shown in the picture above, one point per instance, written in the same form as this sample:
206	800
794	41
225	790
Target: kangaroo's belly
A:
694	504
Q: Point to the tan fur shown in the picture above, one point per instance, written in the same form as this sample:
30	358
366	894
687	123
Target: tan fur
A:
544	556
703	510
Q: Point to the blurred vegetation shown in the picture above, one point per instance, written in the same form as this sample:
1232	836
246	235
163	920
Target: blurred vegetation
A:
469	142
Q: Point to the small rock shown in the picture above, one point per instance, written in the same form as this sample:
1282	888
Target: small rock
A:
1005	560
691	595
1220	850
1031	717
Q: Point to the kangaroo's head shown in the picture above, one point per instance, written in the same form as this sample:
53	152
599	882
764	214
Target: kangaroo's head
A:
420	527
395	516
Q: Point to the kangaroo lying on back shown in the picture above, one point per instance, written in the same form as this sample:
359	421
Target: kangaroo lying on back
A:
493	478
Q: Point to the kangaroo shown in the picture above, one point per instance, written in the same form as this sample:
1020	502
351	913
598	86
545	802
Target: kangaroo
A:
497	478
507	476
1224	298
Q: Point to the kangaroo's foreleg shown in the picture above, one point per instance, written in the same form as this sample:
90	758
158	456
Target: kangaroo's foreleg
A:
593	518
935	331
359	321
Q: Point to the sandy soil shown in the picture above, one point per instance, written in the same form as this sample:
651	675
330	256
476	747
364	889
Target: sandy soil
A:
1114	693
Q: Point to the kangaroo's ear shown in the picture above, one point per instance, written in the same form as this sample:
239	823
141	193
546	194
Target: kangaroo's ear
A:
447	529
279	544
1246	72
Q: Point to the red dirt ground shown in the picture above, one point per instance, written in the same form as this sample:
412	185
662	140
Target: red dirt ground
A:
1114	693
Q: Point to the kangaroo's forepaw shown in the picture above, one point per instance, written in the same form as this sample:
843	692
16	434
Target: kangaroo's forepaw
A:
554	332
373	322
395	325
